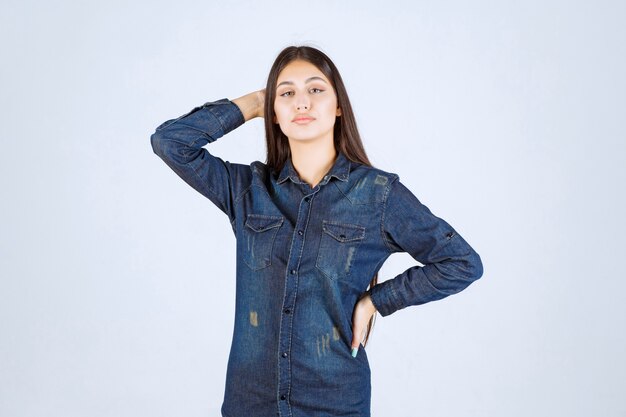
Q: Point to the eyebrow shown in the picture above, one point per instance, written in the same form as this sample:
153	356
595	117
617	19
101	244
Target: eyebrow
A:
307	80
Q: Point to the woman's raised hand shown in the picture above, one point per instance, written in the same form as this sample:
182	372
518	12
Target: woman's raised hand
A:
252	104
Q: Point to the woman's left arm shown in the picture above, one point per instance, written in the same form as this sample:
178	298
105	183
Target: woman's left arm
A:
450	263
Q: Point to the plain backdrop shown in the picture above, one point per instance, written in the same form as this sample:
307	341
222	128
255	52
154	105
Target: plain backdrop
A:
506	119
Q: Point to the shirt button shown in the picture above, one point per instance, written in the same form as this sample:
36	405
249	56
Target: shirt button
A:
282	397
287	311
300	232
293	271
306	198
284	354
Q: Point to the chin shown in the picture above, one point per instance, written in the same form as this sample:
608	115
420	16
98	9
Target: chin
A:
302	139
298	136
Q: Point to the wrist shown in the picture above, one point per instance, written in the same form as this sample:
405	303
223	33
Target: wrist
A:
260	95
248	105
260	100
370	304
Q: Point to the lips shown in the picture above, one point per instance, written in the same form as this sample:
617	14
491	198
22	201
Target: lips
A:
303	120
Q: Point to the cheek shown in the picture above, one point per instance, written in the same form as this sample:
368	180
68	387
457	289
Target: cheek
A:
330	109
281	109
278	113
329	105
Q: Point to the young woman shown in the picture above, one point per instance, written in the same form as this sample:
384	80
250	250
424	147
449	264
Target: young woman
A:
313	226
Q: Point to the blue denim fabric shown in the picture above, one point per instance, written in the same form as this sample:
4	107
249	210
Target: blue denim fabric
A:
304	257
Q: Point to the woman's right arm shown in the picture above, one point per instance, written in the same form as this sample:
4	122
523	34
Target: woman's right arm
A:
179	143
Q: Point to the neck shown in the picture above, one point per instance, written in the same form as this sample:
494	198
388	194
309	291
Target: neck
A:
312	161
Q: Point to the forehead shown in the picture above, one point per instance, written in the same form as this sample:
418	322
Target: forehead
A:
299	71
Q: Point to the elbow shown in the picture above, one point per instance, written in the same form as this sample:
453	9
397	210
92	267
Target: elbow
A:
466	270
169	149
156	141
163	146
475	267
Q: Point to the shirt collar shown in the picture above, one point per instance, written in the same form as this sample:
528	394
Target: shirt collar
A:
339	170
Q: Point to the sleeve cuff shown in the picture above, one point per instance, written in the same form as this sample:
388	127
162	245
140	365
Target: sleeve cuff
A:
227	113
383	299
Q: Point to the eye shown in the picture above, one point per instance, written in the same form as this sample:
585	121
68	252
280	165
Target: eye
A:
291	92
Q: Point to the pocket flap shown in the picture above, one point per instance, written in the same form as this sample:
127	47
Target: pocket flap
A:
261	222
343	232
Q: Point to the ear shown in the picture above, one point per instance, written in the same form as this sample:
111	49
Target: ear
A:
338	113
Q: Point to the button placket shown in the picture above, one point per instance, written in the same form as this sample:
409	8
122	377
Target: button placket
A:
291	284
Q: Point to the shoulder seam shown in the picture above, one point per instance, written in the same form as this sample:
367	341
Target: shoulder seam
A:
245	190
394	177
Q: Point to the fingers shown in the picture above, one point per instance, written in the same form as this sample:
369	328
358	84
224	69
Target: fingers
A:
357	337
355	348
362	314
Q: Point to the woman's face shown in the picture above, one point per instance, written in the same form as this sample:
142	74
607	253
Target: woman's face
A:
303	91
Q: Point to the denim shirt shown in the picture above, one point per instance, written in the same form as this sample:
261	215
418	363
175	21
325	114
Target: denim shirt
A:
305	255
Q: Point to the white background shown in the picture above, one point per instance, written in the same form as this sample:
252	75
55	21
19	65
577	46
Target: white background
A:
505	118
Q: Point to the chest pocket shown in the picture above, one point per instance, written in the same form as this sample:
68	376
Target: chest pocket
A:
339	244
259	234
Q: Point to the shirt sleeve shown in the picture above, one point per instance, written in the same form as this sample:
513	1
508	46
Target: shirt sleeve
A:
450	263
179	143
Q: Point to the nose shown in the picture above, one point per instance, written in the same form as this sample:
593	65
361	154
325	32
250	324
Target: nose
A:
302	103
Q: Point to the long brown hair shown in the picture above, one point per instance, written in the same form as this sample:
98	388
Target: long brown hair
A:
345	133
